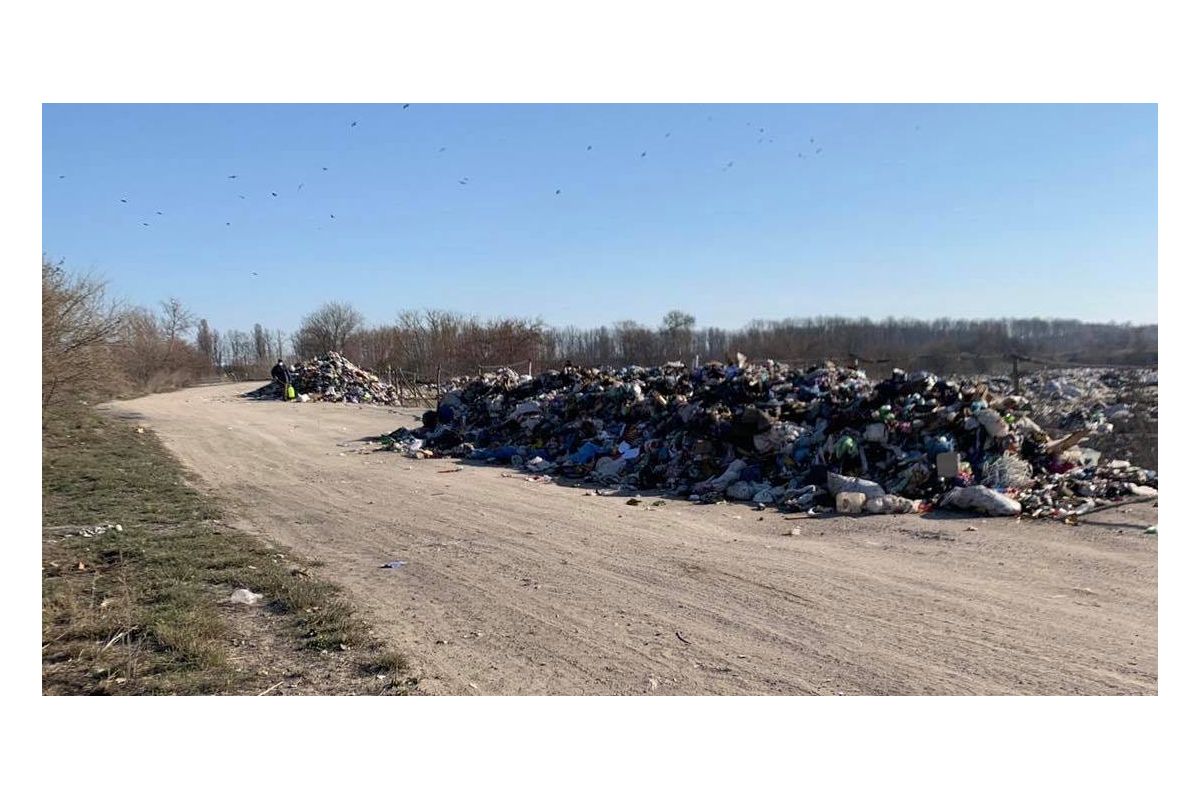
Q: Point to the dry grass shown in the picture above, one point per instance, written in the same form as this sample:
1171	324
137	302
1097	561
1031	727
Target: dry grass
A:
140	611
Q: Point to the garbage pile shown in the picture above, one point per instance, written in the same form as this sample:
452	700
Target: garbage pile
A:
798	439
1119	407
332	378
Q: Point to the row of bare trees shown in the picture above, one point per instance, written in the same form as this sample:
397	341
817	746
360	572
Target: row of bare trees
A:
242	354
943	345
422	341
94	345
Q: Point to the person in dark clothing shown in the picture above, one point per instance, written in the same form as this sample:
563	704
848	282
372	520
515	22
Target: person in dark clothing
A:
280	374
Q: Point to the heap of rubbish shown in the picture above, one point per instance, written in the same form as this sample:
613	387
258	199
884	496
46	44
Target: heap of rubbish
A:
798	439
1118	406
332	378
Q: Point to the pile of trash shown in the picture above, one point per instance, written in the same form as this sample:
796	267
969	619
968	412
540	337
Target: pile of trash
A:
1119	407
798	439
332	378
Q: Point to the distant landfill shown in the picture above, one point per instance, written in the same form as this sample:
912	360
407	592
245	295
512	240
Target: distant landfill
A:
803	440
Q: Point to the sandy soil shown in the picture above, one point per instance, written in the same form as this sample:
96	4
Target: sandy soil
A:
513	587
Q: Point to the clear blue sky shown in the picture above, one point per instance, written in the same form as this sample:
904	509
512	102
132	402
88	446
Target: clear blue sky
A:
906	210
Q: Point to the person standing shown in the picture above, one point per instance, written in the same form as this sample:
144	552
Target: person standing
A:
280	374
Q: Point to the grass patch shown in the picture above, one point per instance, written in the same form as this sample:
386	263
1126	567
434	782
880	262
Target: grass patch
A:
141	610
387	662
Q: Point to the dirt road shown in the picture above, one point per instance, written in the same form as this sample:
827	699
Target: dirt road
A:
513	587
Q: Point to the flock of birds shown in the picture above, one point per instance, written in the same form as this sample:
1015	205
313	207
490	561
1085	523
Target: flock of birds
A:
465	181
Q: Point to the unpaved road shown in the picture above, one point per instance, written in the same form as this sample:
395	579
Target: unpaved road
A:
520	588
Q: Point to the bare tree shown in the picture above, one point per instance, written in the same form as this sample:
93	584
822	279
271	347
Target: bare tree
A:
678	320
328	328
677	332
175	321
206	341
79	326
262	344
218	349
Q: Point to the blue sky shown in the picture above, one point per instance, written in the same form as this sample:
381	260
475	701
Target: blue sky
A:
861	210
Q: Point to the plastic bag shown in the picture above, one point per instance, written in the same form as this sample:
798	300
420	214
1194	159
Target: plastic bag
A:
840	483
982	499
244	597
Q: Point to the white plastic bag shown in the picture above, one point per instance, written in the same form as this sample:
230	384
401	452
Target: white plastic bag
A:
982	499
840	483
244	597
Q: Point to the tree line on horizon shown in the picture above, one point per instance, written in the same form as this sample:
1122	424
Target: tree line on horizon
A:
95	346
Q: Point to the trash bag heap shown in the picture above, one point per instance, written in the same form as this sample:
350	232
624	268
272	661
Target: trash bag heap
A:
797	439
333	378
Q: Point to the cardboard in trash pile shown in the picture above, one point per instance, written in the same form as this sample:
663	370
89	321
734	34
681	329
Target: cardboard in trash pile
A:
769	434
948	465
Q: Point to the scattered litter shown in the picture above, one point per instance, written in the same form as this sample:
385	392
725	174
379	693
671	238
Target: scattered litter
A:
528	478
393	565
679	636
244	597
97	530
